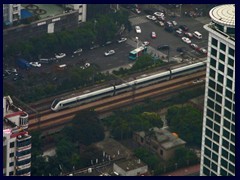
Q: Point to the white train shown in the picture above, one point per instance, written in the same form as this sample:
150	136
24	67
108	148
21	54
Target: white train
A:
59	104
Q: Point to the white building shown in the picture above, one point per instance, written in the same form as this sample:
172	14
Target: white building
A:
16	141
218	139
11	13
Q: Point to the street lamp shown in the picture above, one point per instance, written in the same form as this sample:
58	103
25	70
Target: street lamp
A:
95	22
137	41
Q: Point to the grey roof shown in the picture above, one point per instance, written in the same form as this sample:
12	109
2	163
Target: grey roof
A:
164	137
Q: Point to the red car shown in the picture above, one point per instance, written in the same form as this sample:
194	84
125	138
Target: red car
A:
203	51
154	35
188	34
194	46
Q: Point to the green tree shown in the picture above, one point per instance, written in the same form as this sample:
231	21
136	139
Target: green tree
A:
87	127
187	122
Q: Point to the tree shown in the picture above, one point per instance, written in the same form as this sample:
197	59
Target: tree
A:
87	127
187	122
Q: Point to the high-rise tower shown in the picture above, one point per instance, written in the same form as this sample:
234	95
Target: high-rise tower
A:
218	139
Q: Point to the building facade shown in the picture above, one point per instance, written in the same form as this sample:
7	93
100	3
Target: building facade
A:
16	141
11	13
218	135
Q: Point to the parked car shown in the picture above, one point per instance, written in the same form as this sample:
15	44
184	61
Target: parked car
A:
150	17
78	51
203	50
110	52
146	43
122	40
188	34
35	64
160	23
163	47
194	46
138	29
179	33
186	40
197	34
154	35
183	27
168	24
87	65
158	14
161	18
60	55
174	23
137	11
94	46
181	49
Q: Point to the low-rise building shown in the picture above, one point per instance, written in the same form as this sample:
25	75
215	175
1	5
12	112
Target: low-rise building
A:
160	141
130	167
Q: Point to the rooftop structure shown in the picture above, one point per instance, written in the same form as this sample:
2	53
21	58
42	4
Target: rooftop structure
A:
130	167
159	141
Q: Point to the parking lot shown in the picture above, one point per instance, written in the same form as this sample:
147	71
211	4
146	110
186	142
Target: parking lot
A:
167	38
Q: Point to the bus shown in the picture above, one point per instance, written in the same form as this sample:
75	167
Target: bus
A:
134	54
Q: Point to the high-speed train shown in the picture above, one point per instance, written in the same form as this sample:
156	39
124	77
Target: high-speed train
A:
59	104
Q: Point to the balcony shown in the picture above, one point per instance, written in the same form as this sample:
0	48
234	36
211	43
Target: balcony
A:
24	157
24	147
25	166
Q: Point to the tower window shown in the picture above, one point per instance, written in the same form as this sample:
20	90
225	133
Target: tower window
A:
214	42
222	46
214	52
231	51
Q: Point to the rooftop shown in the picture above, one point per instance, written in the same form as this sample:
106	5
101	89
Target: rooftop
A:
224	15
167	139
130	164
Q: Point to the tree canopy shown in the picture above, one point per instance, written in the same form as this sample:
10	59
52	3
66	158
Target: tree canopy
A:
187	122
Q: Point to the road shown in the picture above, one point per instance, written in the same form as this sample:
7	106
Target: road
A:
187	171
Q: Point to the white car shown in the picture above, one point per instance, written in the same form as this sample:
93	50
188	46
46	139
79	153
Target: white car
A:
159	14
110	52
87	65
146	43
150	17
138	29
35	64
77	51
186	40
174	23
122	40
60	55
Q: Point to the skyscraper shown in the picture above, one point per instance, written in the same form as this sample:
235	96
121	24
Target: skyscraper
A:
218	136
